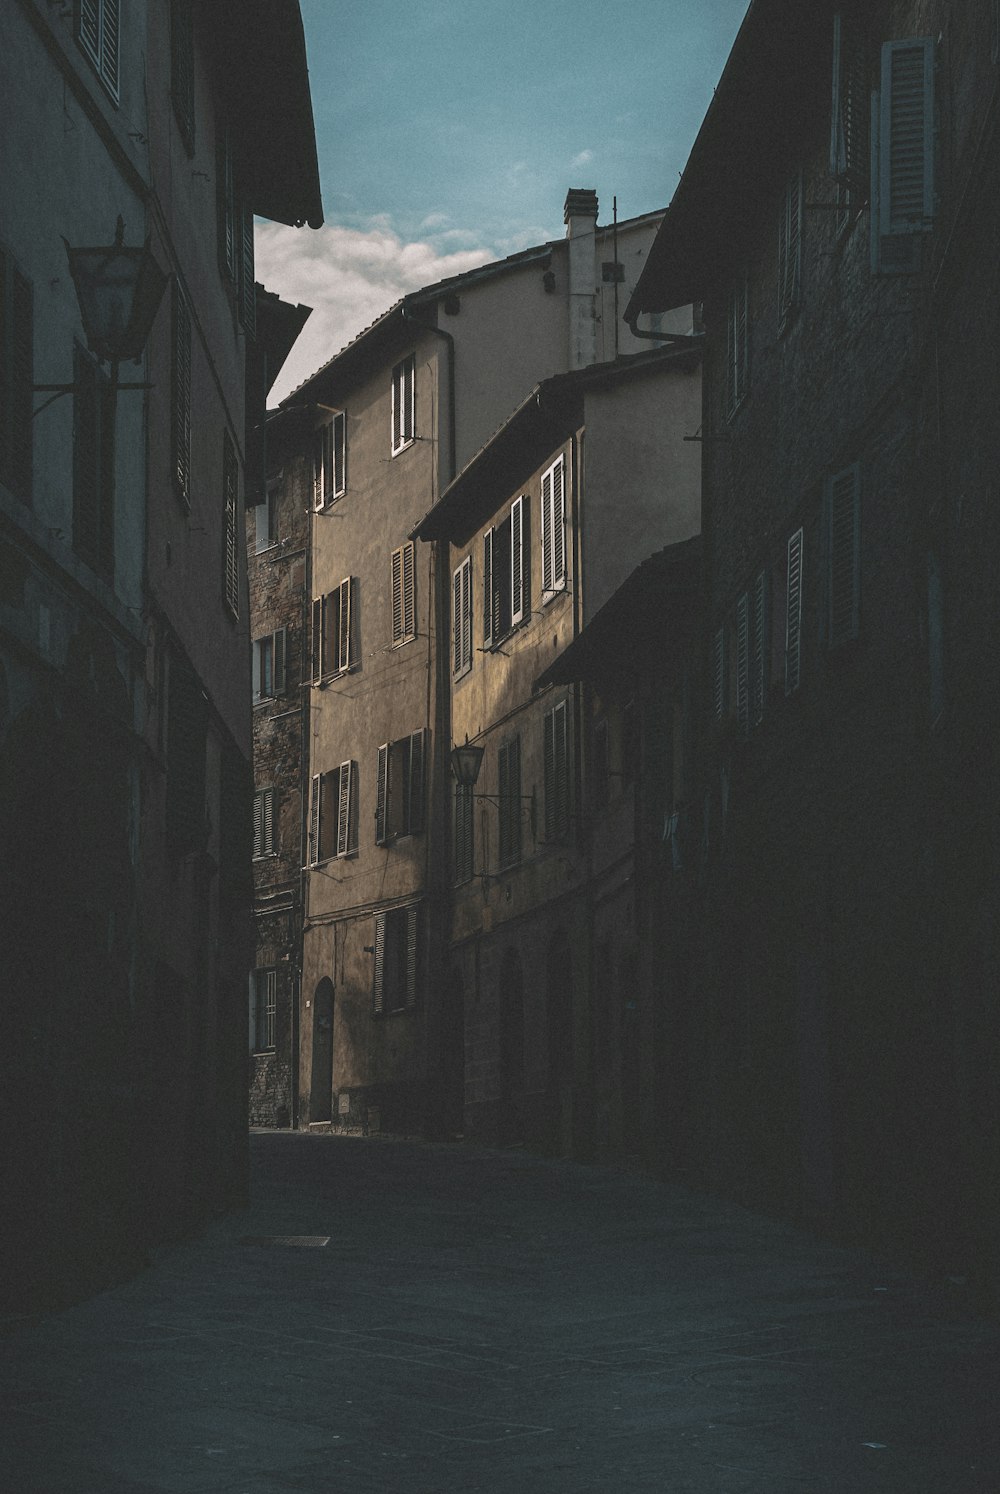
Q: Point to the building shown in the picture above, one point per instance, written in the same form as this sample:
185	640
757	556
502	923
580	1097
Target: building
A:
838	219
540	531
368	445
124	637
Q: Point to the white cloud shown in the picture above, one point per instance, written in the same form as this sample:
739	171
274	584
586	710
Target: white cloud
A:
350	276
584	158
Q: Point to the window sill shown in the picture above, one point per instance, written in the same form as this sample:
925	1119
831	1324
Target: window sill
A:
404	447
402	642
266	856
330	679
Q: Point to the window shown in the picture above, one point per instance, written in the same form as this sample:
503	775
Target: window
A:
16	377
97	31
269	666
461	618
556	762
330	461
187	728
843	537
182	68
332	632
265	990
737	344
509	779
93	465
404	614
720	682
464	833
793	613
266	516
505	570
230	517
790	250
403	403
902	156
399	794
397	951
333	829
180	396
849	147
554	529
264	839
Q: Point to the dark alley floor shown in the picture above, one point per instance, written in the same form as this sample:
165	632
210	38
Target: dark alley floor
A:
491	1321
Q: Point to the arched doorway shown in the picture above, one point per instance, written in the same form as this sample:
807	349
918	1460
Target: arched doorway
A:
559	1023
453	1056
511	1036
321	1087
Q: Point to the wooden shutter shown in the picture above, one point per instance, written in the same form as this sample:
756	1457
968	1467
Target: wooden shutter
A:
518	555
181	391
317	640
558	524
906	129
412	951
278	662
409	598
319	442
269	822
258	823
415	790
403	600
345	796
719	673
793	613
344	624
547	534
409	398
110	42
466	600
463	833
844	555
761	650
248	302
458	595
339	440
488	541
382	795
849	110
314	818
379	963
231	560
743	662
88	29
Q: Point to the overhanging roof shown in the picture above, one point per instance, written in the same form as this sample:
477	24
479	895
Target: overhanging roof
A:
278	325
260	62
749	132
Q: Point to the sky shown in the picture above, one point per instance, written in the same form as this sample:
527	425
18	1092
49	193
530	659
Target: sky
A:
449	131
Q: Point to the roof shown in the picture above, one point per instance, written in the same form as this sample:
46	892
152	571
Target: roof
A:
278	325
260	56
550	413
772	72
372	337
655	608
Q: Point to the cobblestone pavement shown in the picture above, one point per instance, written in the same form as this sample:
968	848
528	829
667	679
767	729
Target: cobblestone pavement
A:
491	1321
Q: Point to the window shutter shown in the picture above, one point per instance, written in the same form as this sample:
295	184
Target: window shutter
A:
110	44
743	662
382	795
258	823
790	248
463	833
278	662
761	637
558	525
793	613
248	302
906	146
488	588
397	596
317	640
848	121
256	669
88	29
182	67
416	784
318	442
458	620
517	570
409	604
344	796
314	814
339	454
225	202
467	611
182	397
269	839
230	479
844	550
412	931
719	673
547	534
409	399
344	624
379	973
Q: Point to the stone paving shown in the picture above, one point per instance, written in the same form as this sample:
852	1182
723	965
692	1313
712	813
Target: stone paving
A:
494	1322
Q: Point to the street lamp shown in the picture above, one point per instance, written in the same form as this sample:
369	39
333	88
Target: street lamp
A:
465	764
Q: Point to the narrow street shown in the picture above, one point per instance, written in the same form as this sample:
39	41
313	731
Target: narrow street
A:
497	1322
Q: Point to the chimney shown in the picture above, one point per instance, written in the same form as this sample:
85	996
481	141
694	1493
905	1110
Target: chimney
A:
580	217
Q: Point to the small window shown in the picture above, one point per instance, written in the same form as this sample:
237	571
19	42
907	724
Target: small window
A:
738	344
404	614
333	828
16	378
403	403
790	250
554	530
230	525
333	650
266	516
180	391
265	991
97	31
264	837
556	765
269	666
509	780
461	618
464	828
330	461
843	537
505	573
93	465
399	795
397	960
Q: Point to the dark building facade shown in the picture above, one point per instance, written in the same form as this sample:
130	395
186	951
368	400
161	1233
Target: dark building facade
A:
838	218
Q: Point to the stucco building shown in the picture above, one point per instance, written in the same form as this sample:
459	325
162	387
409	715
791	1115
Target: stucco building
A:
124	637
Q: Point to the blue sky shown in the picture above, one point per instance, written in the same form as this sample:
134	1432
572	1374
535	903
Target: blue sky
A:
449	132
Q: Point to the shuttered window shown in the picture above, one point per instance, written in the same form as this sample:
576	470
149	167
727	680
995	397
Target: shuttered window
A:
400	787
269	666
849	115
404	612
247	288
506	568
509	781
461	618
333	814
265	1008
743	661
556	766
264	838
793	612
333	647
738	344
760	601
719	682
403	403
790	249
16	378
180	395
519	561
554	529
397	964
330	461
93	465
98	32
902	156
225	203
464	828
182	68
230	525
843	540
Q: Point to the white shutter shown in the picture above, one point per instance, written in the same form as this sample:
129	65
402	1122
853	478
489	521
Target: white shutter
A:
793	613
344	653
488	539
547	534
339	439
517	556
